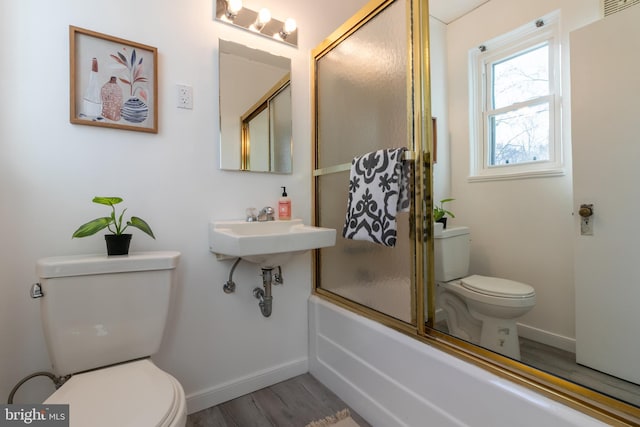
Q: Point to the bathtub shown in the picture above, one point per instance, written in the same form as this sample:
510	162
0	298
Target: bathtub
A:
394	380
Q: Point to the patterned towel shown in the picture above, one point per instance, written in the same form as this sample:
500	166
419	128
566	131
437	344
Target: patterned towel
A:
378	190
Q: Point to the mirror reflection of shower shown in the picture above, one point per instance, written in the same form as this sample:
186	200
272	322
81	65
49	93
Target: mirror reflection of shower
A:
247	76
266	131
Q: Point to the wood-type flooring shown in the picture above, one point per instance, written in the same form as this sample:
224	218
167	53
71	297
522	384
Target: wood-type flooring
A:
292	403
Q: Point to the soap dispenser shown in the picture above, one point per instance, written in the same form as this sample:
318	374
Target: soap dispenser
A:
284	205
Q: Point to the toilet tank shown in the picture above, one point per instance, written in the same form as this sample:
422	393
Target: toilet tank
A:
98	310
451	252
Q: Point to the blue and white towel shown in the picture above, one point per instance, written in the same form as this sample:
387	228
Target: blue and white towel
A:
378	190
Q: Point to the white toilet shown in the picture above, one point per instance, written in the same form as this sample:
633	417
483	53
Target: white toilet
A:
103	317
479	309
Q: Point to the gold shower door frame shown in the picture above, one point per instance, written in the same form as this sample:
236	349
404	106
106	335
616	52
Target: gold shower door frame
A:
418	142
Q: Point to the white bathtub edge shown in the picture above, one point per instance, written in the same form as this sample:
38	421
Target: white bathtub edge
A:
466	394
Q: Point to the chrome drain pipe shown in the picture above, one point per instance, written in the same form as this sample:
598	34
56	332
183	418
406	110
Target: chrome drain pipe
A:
264	295
266	301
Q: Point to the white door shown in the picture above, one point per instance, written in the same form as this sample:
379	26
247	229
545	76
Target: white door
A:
605	115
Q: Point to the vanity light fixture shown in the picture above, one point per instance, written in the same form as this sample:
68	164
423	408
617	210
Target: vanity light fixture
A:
232	12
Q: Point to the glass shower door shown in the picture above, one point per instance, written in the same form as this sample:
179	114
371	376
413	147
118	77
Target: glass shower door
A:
363	104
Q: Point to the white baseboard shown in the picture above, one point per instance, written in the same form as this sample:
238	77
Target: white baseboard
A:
548	338
243	385
534	334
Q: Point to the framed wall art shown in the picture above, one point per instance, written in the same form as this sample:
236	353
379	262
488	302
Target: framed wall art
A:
114	82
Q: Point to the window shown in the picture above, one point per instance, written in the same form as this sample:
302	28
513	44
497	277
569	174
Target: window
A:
515	114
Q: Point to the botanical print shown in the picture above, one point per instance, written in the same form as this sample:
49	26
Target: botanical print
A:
113	82
134	109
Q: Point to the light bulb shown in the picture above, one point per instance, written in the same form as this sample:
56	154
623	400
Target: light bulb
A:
264	16
290	25
234	6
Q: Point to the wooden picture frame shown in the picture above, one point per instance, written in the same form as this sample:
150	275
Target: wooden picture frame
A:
113	82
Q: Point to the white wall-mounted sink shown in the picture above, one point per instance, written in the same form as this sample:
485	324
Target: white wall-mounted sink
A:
268	243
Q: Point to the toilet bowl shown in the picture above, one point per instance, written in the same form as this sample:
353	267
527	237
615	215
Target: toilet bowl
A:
103	318
480	309
484	310
136	393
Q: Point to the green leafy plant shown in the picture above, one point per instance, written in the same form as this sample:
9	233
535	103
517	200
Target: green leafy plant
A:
112	223
440	212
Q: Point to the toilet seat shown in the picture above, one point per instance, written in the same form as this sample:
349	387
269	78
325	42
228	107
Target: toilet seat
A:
497	287
478	289
131	394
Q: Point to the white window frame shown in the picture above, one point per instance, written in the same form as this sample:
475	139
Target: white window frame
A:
525	37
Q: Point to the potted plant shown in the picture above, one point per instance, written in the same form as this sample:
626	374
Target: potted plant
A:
118	241
440	213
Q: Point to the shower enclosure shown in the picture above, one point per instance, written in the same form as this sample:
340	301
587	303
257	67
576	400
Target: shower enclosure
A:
371	92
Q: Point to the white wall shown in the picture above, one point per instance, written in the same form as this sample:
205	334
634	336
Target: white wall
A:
439	110
520	229
217	345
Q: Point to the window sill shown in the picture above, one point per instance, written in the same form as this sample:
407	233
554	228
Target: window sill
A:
504	176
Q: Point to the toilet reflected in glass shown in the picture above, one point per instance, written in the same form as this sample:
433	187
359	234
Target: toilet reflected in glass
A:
480	309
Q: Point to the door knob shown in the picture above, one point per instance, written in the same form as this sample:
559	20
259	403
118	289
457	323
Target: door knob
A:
586	210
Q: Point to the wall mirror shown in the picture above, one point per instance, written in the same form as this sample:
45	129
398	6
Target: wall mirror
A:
255	109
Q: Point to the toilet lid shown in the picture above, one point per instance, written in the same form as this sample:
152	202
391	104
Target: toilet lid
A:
131	394
497	287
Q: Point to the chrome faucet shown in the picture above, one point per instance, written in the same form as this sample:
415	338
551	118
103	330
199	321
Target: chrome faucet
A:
267	214
251	214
